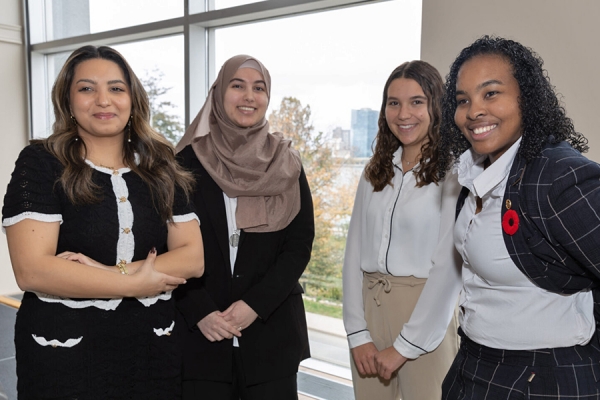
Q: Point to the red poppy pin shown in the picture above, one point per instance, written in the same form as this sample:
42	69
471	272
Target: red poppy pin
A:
510	221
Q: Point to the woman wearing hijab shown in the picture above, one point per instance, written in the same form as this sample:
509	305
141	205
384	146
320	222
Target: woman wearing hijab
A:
246	323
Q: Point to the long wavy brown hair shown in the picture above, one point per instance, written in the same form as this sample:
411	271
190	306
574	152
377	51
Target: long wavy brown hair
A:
156	164
380	169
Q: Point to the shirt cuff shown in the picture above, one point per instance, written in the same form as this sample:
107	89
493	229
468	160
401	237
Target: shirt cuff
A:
359	338
407	349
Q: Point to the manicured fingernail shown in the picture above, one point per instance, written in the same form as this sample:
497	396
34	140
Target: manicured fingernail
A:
153	251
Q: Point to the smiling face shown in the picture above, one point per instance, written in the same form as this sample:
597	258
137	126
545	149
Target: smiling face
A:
100	99
246	99
406	113
487	105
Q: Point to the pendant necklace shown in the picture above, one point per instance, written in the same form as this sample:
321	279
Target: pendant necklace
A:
234	239
410	162
230	207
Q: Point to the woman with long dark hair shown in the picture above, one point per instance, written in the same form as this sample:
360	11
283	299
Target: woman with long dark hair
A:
100	232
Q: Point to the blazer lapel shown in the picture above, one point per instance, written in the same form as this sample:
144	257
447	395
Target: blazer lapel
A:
213	198
514	244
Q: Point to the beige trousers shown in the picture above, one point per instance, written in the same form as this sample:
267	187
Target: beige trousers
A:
389	302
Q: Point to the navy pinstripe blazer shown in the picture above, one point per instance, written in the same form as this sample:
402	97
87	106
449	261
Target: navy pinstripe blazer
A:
557	198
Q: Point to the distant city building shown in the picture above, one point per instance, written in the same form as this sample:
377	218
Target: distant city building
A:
340	143
363	131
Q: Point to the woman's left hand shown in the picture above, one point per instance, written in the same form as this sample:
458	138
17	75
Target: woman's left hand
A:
239	314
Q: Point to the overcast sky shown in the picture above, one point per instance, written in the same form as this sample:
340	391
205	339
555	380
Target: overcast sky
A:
335	61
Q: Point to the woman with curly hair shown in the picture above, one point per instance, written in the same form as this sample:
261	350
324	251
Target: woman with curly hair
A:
402	210
526	230
100	233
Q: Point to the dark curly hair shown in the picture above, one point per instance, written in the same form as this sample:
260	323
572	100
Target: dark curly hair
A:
380	169
543	118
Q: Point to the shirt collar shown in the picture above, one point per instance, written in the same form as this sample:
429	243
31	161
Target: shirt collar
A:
480	181
397	158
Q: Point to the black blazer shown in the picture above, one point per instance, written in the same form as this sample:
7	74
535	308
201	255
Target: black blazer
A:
266	274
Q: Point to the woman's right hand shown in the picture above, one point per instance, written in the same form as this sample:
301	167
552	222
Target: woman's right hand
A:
150	282
364	358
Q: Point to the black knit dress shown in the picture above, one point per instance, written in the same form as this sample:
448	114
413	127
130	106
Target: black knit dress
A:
94	348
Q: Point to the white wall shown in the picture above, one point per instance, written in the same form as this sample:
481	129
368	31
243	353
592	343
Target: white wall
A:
564	33
13	112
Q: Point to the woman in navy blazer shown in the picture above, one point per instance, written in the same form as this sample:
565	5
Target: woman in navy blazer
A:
246	323
527	229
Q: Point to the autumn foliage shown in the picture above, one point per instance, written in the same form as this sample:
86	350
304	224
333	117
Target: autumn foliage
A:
332	198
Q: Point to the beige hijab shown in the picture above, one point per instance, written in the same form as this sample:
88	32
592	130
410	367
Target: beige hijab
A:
258	168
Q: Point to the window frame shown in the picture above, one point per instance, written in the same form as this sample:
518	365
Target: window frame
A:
197	25
198	28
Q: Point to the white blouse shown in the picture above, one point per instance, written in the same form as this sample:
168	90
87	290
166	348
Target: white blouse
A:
394	231
499	306
232	230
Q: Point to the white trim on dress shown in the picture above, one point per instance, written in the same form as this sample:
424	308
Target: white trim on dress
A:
164	332
31	215
55	343
186	218
148	301
106	305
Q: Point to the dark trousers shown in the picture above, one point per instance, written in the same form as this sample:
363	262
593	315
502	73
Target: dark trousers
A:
279	389
484	373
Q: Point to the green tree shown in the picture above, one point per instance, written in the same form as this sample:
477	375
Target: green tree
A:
162	117
332	202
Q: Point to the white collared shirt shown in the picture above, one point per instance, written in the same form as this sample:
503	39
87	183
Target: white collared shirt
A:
230	209
499	306
395	232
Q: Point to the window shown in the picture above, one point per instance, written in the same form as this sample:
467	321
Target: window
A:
157	62
332	60
329	58
336	63
59	19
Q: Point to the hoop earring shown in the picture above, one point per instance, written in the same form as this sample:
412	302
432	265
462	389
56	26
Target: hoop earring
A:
73	120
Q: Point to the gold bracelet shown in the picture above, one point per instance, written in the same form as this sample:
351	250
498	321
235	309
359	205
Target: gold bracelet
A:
121	266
